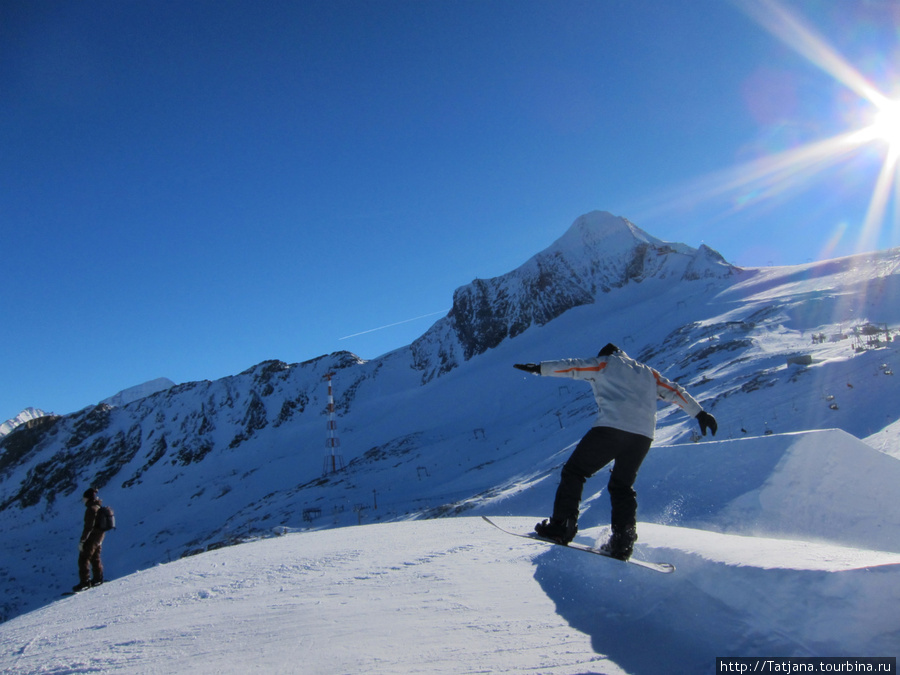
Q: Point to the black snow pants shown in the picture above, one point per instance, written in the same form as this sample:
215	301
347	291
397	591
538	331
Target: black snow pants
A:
599	447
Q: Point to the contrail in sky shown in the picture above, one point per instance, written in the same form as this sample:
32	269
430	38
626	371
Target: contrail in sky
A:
391	325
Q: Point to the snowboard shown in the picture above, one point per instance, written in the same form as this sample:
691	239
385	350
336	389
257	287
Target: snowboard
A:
68	593
664	567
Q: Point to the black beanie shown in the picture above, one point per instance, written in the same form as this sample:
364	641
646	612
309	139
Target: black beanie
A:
610	348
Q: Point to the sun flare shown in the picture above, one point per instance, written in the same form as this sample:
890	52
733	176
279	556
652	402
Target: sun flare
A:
794	168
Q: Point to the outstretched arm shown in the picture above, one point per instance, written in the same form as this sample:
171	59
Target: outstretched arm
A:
675	393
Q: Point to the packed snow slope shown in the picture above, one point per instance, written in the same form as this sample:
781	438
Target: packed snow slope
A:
447	427
458	596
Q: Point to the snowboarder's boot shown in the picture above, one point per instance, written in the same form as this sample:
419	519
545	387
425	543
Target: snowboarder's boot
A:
560	531
80	587
620	544
96	582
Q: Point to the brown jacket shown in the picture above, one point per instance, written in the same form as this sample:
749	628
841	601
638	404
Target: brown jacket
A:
91	535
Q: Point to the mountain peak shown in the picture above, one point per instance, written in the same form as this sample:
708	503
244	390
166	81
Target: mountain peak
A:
600	234
603	225
599	253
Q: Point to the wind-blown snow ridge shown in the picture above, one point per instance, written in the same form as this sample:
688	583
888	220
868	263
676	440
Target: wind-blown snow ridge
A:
764	552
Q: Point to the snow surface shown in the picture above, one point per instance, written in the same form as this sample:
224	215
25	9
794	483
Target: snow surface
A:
457	596
887	440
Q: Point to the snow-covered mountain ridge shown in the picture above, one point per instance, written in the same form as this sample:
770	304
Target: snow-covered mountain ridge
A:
128	395
446	426
23	417
132	394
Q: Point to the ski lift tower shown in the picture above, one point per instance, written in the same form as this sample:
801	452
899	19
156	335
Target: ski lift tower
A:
333	461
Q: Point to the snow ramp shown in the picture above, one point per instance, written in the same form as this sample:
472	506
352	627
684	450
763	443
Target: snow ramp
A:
816	485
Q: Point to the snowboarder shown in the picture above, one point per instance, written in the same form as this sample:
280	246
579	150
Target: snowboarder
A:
626	392
90	569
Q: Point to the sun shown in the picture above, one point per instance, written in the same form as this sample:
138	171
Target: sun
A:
886	126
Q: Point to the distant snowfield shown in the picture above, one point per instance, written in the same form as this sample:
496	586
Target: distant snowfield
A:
457	596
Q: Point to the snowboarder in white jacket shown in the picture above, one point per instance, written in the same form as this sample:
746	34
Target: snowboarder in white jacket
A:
626	392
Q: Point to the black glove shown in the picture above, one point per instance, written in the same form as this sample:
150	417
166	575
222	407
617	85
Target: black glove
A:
707	421
528	367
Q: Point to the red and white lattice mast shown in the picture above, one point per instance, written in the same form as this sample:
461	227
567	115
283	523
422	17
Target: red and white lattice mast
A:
333	461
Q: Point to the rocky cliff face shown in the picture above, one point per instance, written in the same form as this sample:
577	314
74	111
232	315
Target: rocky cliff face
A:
600	252
178	426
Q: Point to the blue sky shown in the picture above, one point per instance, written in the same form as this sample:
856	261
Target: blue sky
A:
190	187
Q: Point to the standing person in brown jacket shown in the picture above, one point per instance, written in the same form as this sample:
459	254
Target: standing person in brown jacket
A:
90	544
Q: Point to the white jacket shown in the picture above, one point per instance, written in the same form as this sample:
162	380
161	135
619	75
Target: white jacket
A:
626	390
